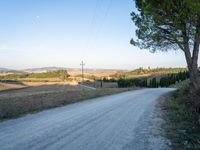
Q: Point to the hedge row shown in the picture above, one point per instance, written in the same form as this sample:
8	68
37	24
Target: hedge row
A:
164	81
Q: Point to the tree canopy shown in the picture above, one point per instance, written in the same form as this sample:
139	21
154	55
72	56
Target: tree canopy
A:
162	24
169	25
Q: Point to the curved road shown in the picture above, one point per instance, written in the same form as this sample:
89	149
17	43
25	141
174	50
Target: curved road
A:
106	123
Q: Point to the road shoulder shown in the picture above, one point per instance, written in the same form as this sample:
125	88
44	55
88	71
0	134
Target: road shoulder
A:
150	134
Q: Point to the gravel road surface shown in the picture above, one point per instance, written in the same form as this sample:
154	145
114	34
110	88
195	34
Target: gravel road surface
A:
124	121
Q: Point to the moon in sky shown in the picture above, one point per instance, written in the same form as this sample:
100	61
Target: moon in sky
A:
37	17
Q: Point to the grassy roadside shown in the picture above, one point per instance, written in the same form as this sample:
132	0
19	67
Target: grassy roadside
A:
15	106
182	120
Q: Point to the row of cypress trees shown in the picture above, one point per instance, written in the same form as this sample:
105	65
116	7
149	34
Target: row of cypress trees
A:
163	81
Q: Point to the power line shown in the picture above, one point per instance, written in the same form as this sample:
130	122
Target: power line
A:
107	10
103	19
106	14
92	23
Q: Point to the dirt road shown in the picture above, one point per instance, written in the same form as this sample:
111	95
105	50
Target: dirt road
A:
120	121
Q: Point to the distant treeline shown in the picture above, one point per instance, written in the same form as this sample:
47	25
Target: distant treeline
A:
160	81
142	71
61	74
11	81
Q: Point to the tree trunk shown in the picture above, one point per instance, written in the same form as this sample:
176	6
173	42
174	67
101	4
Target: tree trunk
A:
194	85
192	59
193	69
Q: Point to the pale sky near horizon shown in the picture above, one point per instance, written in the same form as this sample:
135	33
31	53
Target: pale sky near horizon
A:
62	33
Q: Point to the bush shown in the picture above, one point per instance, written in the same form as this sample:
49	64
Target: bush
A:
139	82
183	126
61	74
165	81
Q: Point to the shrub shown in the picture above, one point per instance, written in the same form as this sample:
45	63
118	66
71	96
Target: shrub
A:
183	126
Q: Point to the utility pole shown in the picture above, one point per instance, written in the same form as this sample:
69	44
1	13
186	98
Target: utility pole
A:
82	64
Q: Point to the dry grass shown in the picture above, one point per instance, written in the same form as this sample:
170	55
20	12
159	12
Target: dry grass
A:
94	72
49	83
7	86
40	79
182	120
18	102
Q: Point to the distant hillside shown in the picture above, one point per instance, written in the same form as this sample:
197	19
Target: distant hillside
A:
158	71
111	73
70	70
43	69
10	71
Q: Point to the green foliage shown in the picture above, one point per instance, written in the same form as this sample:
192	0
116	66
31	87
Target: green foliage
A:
182	125
108	80
139	82
173	79
170	25
61	74
150	72
161	25
164	81
11	76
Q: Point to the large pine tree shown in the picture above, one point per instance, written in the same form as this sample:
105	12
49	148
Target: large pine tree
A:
170	24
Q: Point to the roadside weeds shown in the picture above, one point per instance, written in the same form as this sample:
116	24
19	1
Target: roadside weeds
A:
182	125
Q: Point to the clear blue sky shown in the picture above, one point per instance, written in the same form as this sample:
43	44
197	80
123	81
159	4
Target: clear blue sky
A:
40	33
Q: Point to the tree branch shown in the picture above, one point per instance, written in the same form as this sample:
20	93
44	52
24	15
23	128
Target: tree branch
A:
172	37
